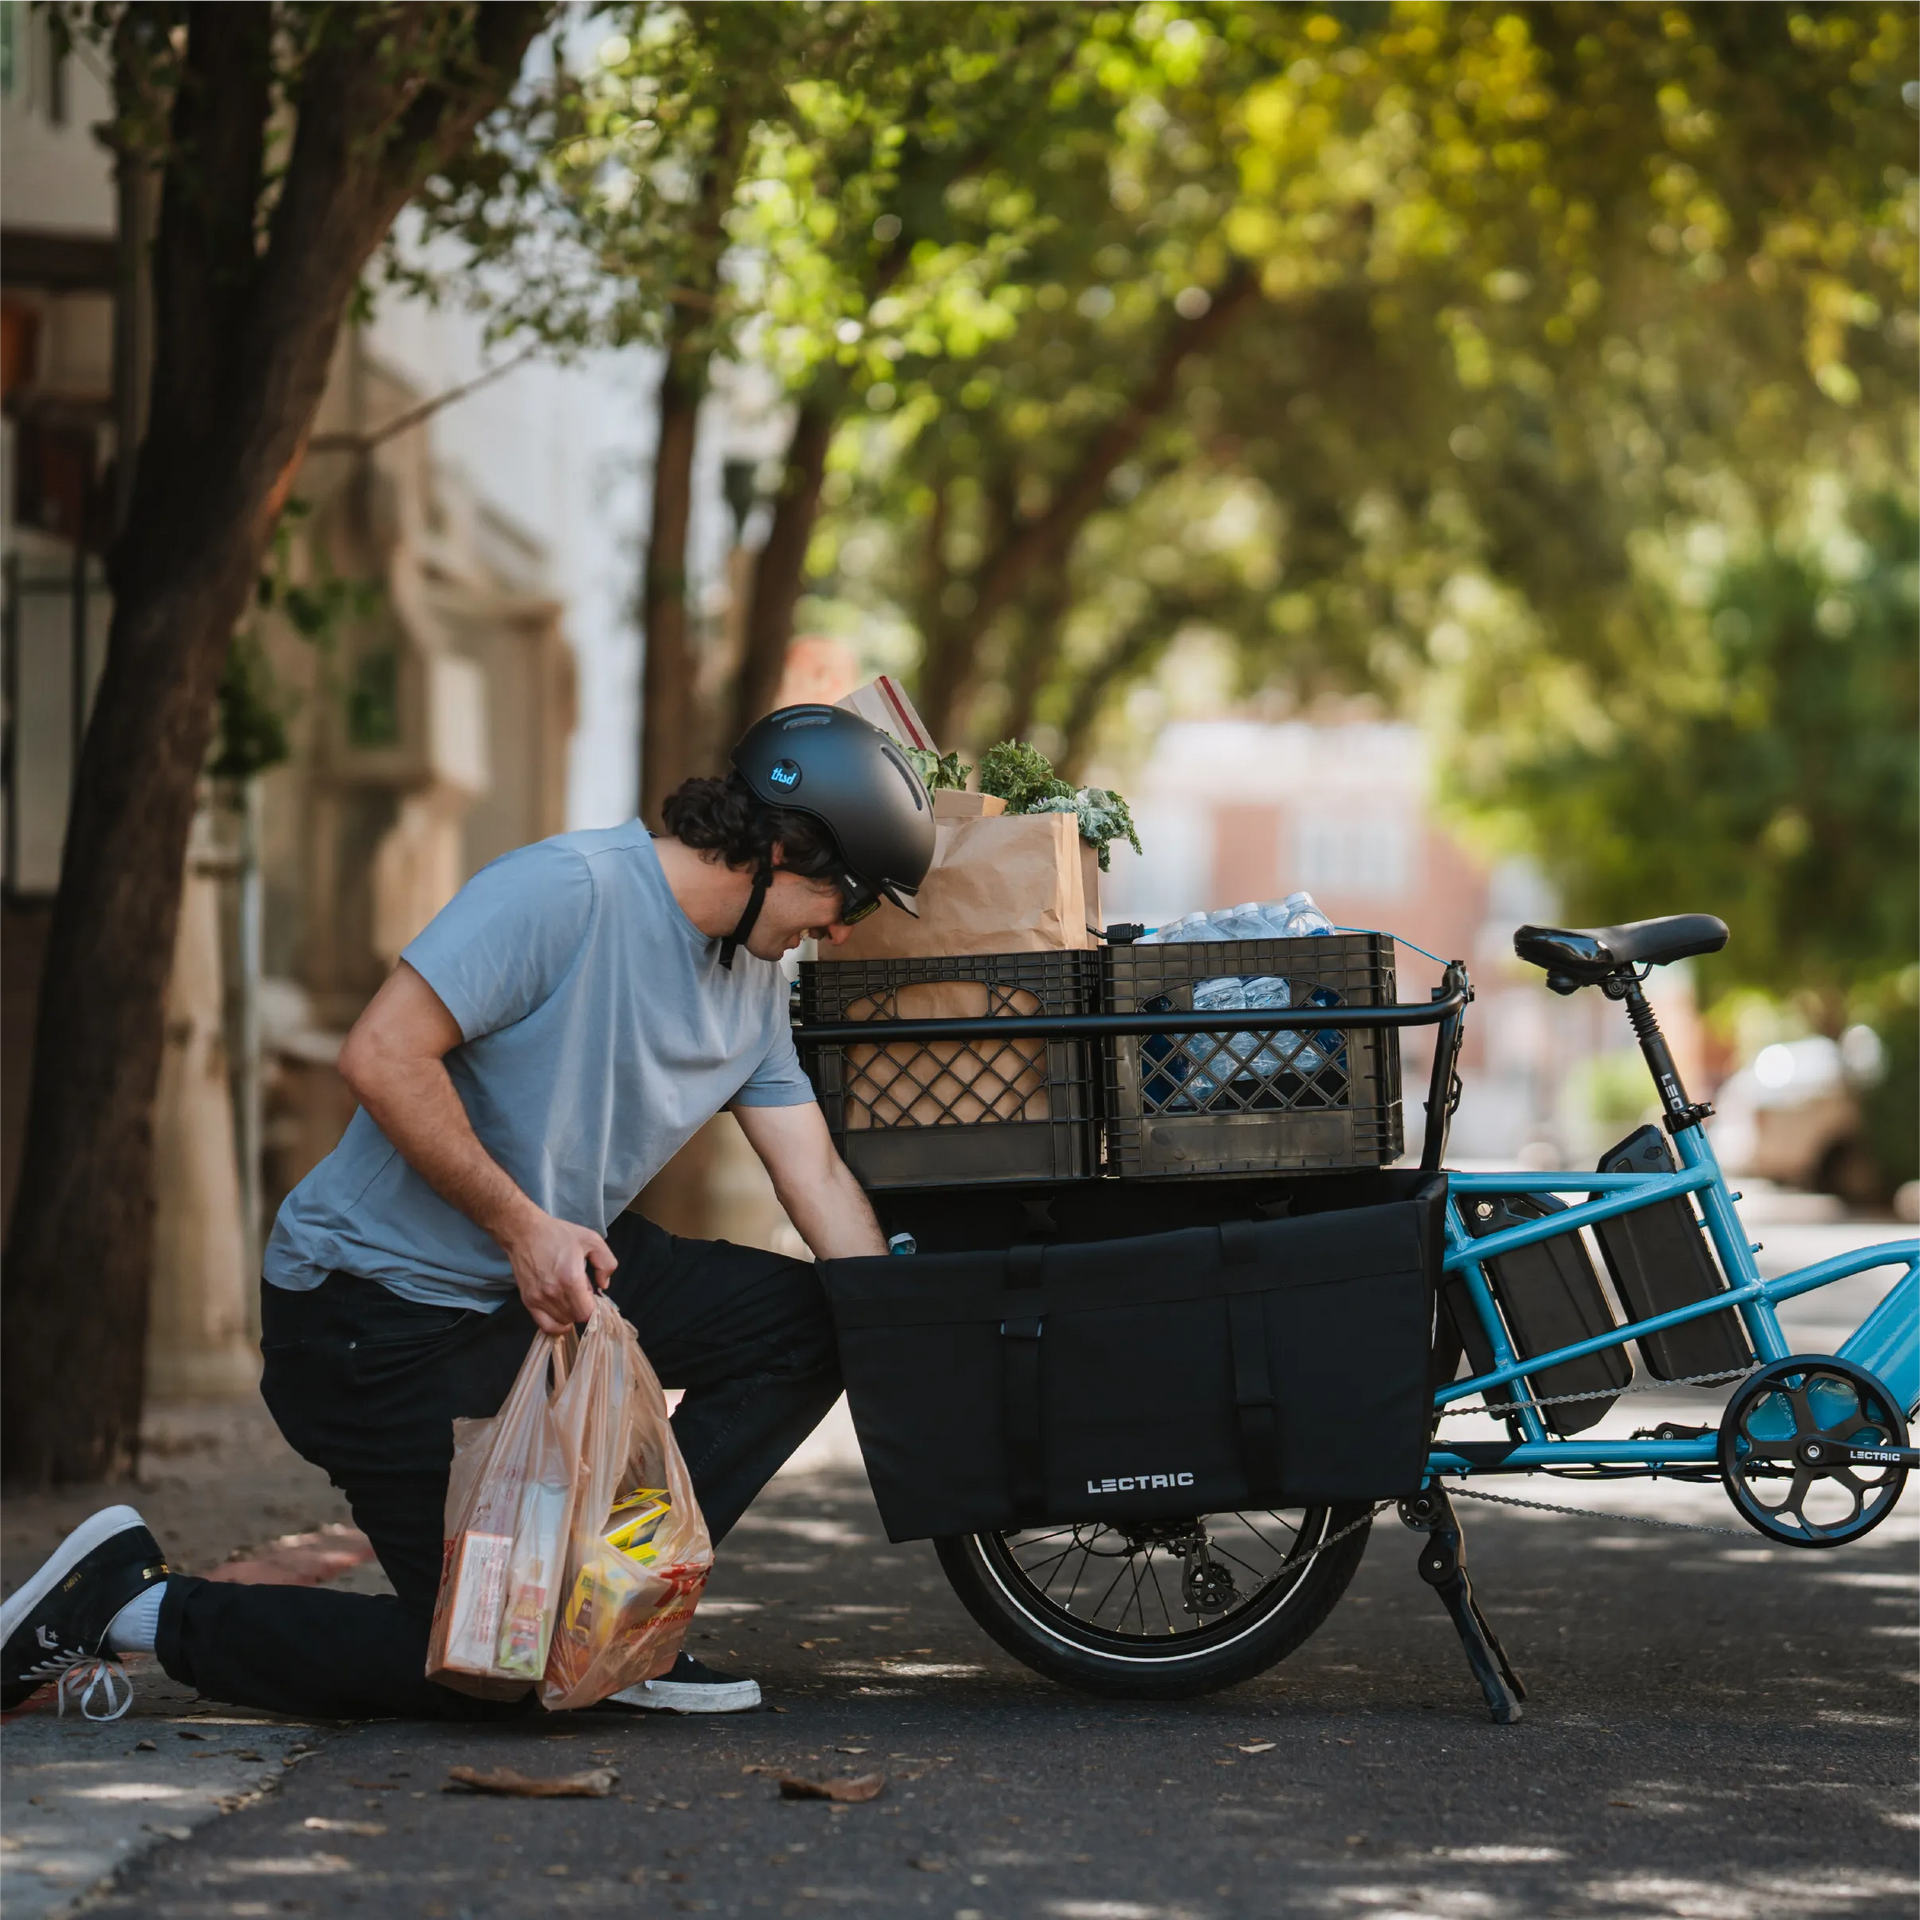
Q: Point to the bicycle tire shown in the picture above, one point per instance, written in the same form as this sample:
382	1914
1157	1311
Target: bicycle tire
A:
1244	1642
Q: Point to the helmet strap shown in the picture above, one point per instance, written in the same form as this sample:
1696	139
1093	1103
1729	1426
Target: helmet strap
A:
762	880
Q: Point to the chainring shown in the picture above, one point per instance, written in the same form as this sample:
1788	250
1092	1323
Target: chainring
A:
1800	1425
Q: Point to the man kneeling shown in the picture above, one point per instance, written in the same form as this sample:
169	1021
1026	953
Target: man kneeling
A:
568	1022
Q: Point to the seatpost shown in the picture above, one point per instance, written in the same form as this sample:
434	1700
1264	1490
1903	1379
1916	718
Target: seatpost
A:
1680	1111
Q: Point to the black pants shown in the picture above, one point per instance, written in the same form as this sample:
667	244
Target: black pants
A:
366	1385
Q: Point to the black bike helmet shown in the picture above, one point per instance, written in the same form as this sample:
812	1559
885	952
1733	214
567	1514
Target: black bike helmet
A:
853	779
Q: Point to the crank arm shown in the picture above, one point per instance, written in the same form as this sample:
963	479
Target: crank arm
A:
1825	1453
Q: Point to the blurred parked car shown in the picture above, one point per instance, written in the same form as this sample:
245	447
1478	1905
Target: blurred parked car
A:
1793	1115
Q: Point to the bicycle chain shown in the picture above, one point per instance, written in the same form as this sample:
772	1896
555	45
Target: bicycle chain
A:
1594	1513
1541	1506
1333	1539
1602	1393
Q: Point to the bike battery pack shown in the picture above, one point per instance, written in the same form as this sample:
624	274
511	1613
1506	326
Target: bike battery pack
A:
1549	1296
1659	1260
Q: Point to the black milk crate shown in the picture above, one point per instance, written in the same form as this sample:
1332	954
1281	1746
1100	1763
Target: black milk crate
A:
932	1113
1232	1101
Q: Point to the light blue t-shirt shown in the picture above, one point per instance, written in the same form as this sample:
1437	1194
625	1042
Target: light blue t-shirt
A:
601	1033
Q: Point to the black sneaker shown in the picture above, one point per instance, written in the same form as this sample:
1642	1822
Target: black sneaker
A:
691	1686
60	1618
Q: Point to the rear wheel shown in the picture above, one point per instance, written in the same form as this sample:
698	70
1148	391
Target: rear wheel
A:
1160	1609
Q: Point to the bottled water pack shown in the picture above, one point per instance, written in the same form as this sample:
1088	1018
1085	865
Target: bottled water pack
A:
1296	917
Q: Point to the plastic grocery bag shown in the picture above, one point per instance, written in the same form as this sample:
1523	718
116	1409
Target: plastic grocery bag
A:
510	1496
639	1555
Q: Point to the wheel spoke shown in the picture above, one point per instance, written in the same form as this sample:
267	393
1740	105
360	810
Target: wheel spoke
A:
1159	1594
1227	1553
1100	1605
1035	1570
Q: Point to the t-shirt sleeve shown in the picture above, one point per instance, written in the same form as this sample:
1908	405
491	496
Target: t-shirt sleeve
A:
504	942
779	1080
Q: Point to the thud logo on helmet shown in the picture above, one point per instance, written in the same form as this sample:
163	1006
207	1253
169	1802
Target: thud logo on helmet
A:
784	774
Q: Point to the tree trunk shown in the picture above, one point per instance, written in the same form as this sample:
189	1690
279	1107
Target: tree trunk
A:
1026	548
675	735
780	572
1134	648
1035	652
669	744
243	341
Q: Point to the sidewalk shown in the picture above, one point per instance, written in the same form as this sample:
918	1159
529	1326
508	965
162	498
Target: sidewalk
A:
225	1496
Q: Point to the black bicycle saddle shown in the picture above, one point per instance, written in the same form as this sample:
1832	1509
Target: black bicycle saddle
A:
1586	955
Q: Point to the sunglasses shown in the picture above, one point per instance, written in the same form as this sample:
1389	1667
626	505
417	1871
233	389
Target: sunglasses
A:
859	902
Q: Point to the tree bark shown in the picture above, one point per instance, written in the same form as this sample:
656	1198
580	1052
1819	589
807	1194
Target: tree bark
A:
675	735
948	603
780	572
244	335
669	747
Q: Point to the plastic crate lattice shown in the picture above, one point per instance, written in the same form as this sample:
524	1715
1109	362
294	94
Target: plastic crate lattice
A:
1231	1101
940	1112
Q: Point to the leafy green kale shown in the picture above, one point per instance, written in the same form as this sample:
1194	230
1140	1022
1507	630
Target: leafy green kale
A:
939	772
1024	778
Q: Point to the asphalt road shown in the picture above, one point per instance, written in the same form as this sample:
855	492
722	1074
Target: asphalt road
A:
1719	1729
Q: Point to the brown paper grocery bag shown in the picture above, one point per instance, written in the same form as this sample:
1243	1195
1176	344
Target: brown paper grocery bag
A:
1007	883
944	1082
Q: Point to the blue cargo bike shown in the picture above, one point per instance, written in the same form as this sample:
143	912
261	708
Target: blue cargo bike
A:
1145	1106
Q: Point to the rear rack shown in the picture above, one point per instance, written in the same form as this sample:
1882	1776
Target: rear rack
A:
1446	1010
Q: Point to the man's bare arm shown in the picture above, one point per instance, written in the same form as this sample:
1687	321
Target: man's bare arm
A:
820	1194
395	1062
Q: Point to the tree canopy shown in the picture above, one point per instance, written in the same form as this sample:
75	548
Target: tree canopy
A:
1498	361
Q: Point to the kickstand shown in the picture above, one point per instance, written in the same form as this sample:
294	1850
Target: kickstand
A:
1443	1566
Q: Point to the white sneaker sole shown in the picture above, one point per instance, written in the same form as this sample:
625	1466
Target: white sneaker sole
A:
71	1551
685	1696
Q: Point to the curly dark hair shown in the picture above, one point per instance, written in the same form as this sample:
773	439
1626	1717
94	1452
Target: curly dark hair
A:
722	817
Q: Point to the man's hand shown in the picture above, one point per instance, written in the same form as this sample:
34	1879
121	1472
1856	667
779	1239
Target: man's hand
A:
556	1266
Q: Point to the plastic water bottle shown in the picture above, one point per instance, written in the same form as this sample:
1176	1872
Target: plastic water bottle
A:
1250	920
902	1243
1269	990
1302	917
1227	993
1171	933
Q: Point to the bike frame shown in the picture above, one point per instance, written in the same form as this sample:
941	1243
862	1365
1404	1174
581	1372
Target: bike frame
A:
1886	1343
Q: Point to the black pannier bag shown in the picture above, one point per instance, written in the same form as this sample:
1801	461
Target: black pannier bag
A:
1253	1364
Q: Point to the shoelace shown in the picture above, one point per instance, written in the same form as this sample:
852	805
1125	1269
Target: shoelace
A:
85	1677
81	1676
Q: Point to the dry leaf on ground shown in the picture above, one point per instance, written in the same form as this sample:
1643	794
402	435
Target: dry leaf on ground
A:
1259	1746
865	1786
595	1784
